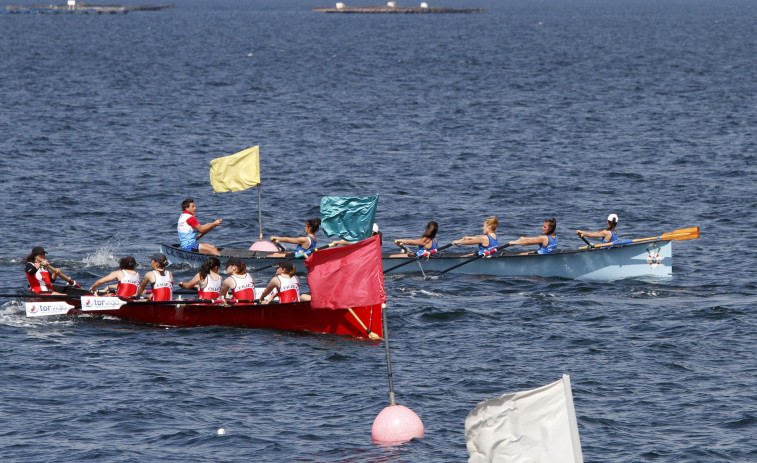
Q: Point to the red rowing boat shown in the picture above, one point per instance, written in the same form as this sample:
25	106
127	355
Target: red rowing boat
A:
359	322
347	286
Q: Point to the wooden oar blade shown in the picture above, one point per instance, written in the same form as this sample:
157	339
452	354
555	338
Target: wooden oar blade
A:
691	233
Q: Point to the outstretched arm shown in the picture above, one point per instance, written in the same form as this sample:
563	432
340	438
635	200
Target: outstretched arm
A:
468	240
204	228
110	277
273	284
191	283
419	242
604	234
526	240
303	241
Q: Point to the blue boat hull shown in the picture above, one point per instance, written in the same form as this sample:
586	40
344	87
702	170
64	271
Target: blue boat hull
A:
648	260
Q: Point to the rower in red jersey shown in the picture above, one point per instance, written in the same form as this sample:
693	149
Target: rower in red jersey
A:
127	277
160	278
207	280
285	283
40	274
239	281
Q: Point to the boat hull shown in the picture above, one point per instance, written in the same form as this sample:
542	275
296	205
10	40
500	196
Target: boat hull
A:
299	316
646	260
652	260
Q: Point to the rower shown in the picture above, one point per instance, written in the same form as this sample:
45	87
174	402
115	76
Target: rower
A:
40	274
285	283
239	281
486	242
427	243
160	278
608	234
375	231
547	241
305	244
126	276
207	280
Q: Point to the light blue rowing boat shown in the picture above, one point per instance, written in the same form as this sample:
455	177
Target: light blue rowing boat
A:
645	258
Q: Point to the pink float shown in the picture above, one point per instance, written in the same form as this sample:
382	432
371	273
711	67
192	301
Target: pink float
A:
263	246
396	423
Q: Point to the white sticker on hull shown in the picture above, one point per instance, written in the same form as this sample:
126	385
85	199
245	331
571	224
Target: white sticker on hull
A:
44	309
94	303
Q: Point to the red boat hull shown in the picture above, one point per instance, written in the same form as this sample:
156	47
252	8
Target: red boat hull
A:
360	322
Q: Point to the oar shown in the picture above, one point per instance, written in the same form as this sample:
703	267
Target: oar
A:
586	241
403	247
425	254
485	254
691	233
43	296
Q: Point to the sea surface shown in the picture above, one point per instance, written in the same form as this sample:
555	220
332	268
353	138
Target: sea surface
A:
571	109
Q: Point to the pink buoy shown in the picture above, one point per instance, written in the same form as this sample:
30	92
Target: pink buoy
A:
396	423
263	246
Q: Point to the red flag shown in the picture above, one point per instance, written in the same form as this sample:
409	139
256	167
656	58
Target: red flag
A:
347	276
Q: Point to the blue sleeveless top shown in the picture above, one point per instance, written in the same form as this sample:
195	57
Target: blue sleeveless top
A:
493	242
305	251
550	247
421	249
613	237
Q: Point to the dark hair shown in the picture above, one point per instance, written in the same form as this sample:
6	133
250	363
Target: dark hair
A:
209	265
552	225
36	250
313	224
242	267
431	229
127	263
185	204
161	260
612	224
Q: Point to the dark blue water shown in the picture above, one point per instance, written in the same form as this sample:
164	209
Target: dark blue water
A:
573	109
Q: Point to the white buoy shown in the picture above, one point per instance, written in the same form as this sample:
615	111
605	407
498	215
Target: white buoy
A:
392	4
340	6
424	5
221	431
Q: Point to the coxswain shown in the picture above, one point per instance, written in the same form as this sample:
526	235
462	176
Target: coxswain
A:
305	244
547	241
486	242
40	274
285	284
608	235
190	230
427	244
239	281
160	278
126	275
207	280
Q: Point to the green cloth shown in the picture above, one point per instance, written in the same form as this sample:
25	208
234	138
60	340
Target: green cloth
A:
349	218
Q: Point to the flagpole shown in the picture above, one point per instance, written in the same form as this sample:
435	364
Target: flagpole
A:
260	213
388	356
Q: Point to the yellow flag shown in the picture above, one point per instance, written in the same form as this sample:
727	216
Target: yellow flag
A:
236	172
